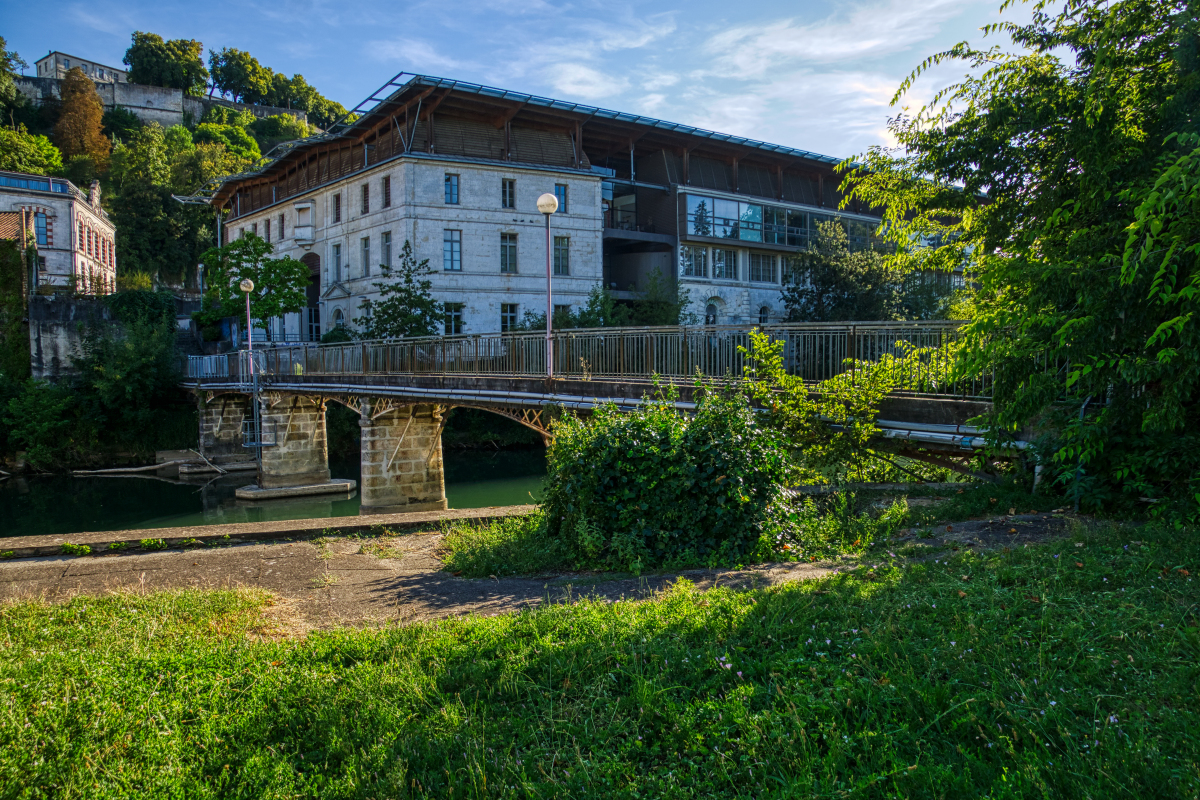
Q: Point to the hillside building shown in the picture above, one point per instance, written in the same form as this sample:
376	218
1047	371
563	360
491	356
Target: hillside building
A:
456	168
55	65
76	241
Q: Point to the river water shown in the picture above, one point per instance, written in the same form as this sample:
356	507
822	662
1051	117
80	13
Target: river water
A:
61	504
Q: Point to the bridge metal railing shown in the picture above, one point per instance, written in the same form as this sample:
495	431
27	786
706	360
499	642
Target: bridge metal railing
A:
925	353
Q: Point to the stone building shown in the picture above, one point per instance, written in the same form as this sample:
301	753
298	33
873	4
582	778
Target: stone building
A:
456	168
76	241
55	65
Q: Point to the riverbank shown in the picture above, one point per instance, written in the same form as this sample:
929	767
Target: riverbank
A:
1064	669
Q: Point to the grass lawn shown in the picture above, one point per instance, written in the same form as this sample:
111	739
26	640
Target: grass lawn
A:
1068	670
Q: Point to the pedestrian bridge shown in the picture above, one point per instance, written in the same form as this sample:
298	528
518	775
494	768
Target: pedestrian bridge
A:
397	384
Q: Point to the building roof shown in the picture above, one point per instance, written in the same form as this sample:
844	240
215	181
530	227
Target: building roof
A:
10	225
601	131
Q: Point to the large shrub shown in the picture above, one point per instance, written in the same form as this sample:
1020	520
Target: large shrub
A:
659	488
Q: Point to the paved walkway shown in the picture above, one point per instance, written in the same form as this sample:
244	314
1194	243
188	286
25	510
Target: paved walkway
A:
350	580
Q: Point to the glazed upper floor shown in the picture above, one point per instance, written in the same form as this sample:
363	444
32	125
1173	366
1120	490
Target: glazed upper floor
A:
420	117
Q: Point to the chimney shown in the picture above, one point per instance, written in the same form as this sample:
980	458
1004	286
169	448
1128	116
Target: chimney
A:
94	194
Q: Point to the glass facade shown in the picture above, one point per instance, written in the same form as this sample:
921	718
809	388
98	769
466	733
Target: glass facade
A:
760	222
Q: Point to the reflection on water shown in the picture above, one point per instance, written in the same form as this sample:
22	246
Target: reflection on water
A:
61	504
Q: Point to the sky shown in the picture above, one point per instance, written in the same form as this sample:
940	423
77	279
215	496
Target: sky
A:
818	76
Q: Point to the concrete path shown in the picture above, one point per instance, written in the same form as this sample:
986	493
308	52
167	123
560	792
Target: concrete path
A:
372	580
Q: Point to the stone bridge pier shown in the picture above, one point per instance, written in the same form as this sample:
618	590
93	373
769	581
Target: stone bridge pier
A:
221	419
401	457
298	453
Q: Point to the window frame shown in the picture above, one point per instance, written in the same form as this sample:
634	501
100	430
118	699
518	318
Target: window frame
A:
510	316
771	268
561	256
451	250
453	318
508	253
508	193
337	207
385	249
562	197
725	264
366	198
451	186
364	249
336	261
687	258
41	229
387	191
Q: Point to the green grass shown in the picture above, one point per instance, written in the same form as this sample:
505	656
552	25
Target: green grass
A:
505	546
1007	675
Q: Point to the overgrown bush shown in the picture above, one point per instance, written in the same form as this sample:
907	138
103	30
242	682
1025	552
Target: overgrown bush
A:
659	488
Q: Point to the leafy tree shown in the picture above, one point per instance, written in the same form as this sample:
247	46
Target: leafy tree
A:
143	160
120	123
405	306
176	63
78	131
656	304
278	282
156	234
830	282
10	62
272	130
21	151
1061	171
237	73
15	267
192	168
228	128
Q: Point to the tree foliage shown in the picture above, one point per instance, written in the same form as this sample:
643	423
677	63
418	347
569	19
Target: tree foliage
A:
10	62
278	282
240	75
78	131
832	282
656	487
405	307
1061	171
22	151
177	63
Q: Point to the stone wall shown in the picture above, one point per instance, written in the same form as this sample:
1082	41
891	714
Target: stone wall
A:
402	458
165	106
295	428
57	325
221	422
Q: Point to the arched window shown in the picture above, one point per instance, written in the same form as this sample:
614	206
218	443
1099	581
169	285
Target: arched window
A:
764	315
710	314
339	319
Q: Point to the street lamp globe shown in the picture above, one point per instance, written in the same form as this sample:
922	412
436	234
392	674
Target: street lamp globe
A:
547	204
246	285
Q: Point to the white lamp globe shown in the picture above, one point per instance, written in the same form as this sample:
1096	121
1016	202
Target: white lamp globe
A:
246	285
547	204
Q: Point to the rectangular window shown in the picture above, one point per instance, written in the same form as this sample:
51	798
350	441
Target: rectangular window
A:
508	253
39	229
366	203
560	191
508	316
454	318
724	264
387	192
385	249
365	245
336	272
693	262
699	215
452	251
451	189
281	234
562	255
267	229
508	193
254	228
337	208
762	268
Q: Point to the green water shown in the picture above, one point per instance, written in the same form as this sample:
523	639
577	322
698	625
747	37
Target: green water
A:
61	504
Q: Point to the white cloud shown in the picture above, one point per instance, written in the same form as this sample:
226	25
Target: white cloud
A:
864	31
584	81
413	55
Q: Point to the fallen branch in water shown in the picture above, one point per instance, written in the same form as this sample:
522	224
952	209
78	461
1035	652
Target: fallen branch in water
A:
131	469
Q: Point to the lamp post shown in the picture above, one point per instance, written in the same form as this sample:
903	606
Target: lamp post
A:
247	286
548	204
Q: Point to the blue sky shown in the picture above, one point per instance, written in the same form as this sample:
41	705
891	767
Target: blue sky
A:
818	76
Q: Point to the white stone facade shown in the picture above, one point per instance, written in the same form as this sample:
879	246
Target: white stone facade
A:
56	65
76	241
334	230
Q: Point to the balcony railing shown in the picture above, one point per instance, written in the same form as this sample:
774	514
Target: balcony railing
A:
814	352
